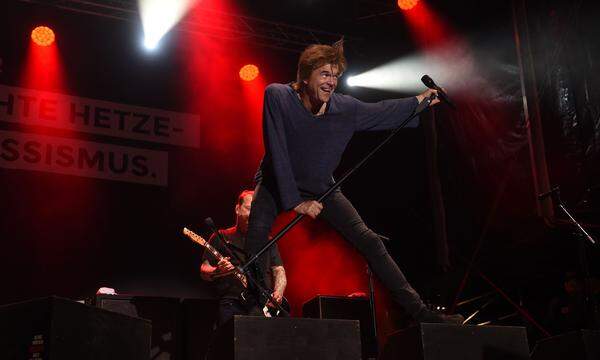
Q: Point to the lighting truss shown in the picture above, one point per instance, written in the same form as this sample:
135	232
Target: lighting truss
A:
211	22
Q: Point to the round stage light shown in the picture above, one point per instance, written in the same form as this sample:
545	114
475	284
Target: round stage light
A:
43	36
407	4
248	72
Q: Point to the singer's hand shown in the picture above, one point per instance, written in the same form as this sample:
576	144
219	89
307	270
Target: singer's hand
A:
427	94
311	208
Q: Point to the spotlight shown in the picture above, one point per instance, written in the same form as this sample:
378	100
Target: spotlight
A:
407	4
159	16
150	44
43	36
249	72
350	81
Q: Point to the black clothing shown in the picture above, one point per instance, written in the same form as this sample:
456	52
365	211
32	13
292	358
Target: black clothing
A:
303	150
230	307
340	213
229	287
301	153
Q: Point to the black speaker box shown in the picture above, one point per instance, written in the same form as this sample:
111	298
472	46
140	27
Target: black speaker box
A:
260	338
576	345
455	342
54	328
199	322
165	314
341	307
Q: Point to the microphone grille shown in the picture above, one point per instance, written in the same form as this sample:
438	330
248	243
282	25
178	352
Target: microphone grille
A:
428	81
209	222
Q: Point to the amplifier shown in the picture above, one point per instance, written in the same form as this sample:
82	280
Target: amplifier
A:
349	308
261	338
456	342
57	328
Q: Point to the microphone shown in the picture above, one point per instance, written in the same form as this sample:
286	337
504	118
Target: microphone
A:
211	225
441	93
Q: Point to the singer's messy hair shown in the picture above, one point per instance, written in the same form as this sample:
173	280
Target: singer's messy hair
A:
315	56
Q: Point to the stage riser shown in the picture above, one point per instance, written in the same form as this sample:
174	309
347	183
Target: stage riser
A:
341	307
576	345
453	342
181	328
58	329
257	338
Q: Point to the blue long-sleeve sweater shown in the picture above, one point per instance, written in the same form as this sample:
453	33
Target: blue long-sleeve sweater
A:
302	150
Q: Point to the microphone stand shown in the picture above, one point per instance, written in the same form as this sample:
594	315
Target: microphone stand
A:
372	298
561	205
256	284
373	311
590	303
420	108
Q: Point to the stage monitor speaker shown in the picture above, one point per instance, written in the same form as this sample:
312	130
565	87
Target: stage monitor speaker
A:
575	345
199	322
260	338
165	314
455	342
349	308
54	328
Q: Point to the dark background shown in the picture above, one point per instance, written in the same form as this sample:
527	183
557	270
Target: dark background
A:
69	235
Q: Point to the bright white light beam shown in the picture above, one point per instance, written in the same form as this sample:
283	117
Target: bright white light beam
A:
445	66
159	16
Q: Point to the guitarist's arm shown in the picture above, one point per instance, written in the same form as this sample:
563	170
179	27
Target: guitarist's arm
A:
209	272
279	282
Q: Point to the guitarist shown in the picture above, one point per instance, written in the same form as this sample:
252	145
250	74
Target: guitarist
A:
228	287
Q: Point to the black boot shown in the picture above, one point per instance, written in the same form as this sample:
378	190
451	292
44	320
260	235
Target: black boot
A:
429	316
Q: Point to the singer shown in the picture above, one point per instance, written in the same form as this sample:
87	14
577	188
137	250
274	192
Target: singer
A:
306	128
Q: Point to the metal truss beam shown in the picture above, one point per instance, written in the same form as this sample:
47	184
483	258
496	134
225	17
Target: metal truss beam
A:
212	23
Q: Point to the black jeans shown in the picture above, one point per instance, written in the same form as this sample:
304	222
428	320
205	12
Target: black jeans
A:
339	213
230	307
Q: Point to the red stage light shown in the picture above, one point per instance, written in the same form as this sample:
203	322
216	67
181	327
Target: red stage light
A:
249	72
407	4
43	36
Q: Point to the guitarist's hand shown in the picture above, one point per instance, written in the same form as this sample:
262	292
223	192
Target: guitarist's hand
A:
224	265
277	297
311	208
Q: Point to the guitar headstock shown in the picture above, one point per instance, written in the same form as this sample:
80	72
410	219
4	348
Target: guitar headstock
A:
194	237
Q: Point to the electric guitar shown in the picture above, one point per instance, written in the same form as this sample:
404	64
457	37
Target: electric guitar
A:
268	311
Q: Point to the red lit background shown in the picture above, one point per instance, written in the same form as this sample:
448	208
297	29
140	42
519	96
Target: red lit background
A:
43	69
317	260
67	235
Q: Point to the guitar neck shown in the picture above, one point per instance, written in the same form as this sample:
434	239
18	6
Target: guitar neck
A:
200	241
214	252
218	256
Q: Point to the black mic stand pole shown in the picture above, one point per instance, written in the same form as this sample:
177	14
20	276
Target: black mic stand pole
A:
420	108
373	310
590	302
561	205
209	222
372	298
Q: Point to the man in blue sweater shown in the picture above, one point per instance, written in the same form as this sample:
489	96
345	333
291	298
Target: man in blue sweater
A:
306	128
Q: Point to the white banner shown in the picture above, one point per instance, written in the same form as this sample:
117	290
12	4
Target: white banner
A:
82	158
44	108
